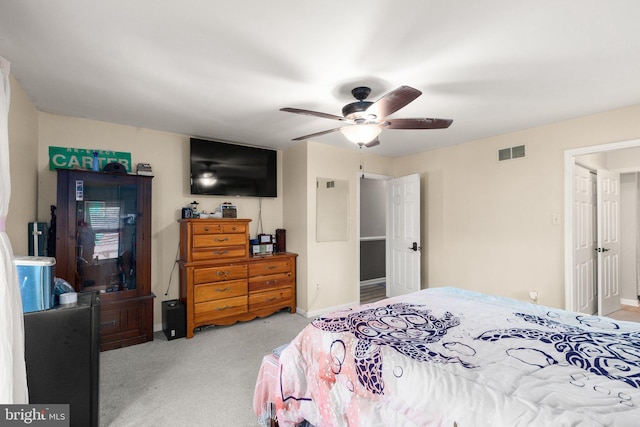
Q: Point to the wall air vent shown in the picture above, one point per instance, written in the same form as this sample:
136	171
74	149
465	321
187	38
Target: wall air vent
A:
516	152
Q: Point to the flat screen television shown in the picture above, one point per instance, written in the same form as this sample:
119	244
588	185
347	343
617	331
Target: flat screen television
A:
223	169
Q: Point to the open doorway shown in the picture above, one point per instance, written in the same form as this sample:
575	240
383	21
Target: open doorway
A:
623	157
372	232
400	214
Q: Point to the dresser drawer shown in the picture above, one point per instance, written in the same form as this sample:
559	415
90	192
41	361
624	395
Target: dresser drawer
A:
269	267
219	253
272	281
217	274
210	240
219	290
267	299
211	228
216	309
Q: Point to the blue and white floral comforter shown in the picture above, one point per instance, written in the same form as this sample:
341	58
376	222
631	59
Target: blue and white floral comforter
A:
443	356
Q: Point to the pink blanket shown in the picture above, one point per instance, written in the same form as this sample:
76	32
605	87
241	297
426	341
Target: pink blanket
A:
265	393
445	356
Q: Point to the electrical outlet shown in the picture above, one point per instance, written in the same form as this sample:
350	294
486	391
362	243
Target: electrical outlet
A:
556	219
533	296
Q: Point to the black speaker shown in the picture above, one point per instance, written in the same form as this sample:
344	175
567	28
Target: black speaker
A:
174	322
281	240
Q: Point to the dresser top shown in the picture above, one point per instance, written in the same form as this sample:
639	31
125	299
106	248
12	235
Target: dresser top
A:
187	220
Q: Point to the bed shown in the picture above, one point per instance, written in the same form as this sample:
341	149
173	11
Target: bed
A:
447	356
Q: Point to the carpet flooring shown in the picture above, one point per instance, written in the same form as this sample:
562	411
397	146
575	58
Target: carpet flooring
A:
207	380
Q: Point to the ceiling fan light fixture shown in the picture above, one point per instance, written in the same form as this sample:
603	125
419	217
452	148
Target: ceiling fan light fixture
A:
368	118
361	134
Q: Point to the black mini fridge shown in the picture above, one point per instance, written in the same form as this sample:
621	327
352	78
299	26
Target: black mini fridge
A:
62	353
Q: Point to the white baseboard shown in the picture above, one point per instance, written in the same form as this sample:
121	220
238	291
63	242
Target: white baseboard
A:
317	313
629	302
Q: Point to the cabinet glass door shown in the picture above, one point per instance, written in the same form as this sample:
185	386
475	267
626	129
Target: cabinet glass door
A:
106	235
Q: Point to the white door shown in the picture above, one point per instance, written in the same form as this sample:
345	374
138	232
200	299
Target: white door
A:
608	242
584	240
403	235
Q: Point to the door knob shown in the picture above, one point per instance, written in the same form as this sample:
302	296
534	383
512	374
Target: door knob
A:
415	247
602	250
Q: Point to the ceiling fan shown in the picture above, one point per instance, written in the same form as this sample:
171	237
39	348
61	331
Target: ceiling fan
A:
366	119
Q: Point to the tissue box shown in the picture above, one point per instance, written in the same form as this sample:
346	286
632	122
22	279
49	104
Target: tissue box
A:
35	278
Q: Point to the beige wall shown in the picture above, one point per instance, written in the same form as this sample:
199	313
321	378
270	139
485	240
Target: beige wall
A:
629	235
623	160
296	214
168	155
487	226
34	185
333	268
23	148
327	271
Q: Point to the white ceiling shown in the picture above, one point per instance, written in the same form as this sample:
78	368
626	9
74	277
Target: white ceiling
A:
223	69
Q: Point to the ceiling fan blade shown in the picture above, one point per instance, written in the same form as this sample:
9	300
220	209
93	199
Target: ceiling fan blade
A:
393	101
300	138
315	114
373	143
426	123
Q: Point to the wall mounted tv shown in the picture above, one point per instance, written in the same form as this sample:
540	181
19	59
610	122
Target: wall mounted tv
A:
223	169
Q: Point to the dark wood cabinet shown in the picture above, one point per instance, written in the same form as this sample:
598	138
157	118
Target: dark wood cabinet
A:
103	243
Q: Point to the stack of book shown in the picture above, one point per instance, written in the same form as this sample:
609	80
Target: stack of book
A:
144	169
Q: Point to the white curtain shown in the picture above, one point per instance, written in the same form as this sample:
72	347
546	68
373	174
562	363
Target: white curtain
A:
13	374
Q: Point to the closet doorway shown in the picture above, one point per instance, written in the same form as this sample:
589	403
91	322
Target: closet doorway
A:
585	283
372	232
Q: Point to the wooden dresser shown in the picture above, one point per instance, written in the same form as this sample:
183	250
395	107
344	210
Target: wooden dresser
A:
220	284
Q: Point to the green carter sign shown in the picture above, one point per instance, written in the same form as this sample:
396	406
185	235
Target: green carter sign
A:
82	158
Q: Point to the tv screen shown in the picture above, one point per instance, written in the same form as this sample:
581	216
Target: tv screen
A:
223	169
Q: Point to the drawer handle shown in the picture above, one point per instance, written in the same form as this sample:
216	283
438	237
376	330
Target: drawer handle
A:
221	252
271	267
221	240
206	229
223	290
234	228
272	299
270	282
222	273
222	308
105	325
